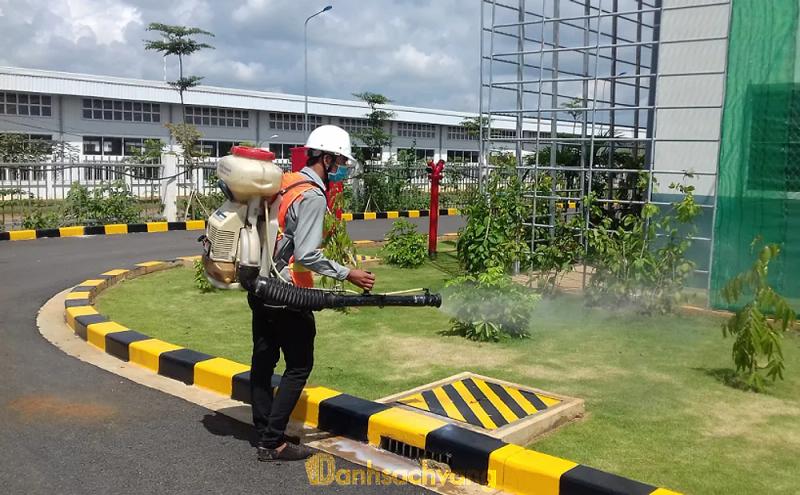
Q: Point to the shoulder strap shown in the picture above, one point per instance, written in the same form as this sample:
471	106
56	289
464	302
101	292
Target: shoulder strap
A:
300	183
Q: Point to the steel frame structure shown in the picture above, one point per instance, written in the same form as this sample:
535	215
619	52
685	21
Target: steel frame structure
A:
534	46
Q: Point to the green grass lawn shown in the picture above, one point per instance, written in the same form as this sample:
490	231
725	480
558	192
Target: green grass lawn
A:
657	407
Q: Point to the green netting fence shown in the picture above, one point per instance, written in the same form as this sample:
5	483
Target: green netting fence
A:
759	170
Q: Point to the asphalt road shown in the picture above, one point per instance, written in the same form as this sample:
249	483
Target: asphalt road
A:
68	427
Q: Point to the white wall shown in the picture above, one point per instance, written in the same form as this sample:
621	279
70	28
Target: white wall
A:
691	88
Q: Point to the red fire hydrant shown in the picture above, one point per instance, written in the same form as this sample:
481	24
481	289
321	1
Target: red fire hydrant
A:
435	175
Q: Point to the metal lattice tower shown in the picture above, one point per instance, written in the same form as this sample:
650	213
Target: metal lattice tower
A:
578	77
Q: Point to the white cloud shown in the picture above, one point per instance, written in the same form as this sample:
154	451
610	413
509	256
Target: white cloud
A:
410	59
104	20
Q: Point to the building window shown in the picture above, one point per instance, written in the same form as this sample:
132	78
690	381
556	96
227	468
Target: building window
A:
121	110
283	151
217	117
293	121
354	125
462	156
414	154
423	131
26	104
461	133
216	149
504	134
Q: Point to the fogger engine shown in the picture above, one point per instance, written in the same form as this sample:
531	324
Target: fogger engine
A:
240	238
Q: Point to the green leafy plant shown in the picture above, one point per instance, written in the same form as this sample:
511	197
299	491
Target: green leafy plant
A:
42	218
405	246
552	259
494	234
110	202
488	306
200	279
757	345
641	259
336	243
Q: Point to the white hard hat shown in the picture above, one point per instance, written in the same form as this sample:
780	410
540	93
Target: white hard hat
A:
332	139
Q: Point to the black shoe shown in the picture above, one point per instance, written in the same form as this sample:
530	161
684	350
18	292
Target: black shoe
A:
290	452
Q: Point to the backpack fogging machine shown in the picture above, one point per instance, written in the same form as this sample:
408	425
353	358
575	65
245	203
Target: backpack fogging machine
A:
241	235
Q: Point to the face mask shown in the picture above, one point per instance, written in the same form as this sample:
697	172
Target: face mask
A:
340	174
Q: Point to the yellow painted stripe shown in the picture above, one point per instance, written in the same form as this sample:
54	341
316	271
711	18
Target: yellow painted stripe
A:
116	228
392	214
370	215
148	264
452	211
195	224
402	425
664	491
96	332
307	408
76	311
92	282
415	400
413	213
116	273
77	295
347	217
70	231
146	352
447	404
157	226
549	401
519	470
521	400
22	235
473	404
363	242
217	374
495	400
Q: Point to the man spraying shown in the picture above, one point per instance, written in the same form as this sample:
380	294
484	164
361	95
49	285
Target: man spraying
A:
297	254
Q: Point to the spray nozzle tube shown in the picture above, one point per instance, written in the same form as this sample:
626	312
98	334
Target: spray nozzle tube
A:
277	293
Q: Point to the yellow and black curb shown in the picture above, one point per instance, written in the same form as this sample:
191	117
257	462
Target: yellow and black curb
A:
480	457
110	229
149	227
377	215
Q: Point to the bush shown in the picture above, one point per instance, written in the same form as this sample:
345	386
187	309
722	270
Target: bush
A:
757	339
488	306
641	259
495	234
200	279
405	246
42	218
108	203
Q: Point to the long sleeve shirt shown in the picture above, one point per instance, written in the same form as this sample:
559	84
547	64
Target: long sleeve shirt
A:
302	235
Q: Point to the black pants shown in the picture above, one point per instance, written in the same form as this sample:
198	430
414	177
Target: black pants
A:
276	330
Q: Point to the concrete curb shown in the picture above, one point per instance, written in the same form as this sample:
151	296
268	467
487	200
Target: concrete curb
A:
482	458
149	227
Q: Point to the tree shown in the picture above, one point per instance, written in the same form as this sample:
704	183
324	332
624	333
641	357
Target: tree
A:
177	40
573	107
473	125
374	137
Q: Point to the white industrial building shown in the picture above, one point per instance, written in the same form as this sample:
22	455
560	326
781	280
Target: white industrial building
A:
108	116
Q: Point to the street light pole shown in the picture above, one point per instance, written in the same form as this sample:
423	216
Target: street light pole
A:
305	66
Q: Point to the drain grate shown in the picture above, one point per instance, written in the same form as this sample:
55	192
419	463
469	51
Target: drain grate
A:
411	452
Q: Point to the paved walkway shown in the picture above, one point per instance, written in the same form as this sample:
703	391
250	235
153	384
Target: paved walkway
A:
68	427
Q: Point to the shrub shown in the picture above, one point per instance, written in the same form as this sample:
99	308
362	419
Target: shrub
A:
108	203
641	259
488	306
200	279
494	234
405	246
757	339
42	218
